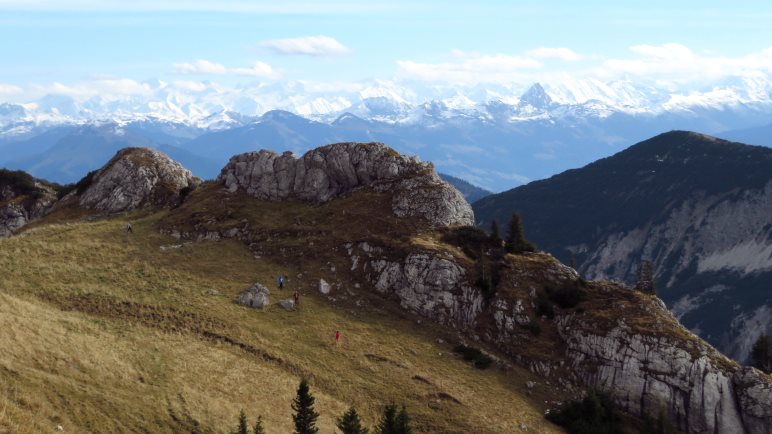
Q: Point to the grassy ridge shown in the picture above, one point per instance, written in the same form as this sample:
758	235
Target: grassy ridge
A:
106	332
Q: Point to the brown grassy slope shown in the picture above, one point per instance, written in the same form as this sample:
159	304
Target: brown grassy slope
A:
106	332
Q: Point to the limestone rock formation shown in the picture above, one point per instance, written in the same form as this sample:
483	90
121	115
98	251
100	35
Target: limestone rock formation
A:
22	199
324	287
330	171
645	367
134	178
256	296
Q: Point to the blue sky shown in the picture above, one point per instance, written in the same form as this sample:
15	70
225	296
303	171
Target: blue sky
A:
230	42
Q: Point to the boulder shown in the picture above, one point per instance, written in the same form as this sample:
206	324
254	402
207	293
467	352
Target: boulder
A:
135	178
331	171
22	199
288	304
324	287
256	296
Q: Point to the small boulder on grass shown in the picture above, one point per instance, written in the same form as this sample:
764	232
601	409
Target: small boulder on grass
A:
288	304
256	296
324	287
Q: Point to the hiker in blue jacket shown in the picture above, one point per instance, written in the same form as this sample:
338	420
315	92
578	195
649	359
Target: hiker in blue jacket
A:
281	282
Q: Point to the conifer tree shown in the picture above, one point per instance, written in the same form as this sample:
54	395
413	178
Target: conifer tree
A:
259	426
388	423
516	242
242	428
495	235
403	422
761	354
303	405
350	423
645	282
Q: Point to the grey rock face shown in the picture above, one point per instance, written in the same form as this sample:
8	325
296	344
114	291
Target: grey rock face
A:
12	217
705	250
645	373
16	211
134	178
330	171
288	304
754	395
701	390
256	296
424	283
324	287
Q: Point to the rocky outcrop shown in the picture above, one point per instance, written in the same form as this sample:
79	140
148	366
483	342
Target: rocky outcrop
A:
754	396
256	296
424	283
135	178
331	171
629	344
22	199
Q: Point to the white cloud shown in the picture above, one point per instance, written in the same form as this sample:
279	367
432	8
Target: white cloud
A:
9	89
676	63
308	46
205	67
554	53
470	68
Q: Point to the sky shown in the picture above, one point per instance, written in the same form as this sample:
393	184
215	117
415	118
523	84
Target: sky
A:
91	46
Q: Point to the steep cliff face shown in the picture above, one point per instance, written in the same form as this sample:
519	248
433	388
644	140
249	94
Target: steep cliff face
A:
22	199
698	208
331	171
134	178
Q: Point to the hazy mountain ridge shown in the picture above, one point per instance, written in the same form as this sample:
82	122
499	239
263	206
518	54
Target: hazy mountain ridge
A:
494	137
699	208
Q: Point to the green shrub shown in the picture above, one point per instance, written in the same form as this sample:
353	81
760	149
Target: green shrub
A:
471	240
544	307
595	414
567	296
474	355
534	327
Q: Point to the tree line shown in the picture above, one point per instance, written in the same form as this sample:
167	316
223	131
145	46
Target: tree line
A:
393	420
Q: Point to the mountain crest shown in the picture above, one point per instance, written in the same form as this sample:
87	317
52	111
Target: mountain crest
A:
325	173
134	178
536	97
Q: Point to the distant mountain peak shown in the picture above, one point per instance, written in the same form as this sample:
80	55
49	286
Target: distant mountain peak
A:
537	97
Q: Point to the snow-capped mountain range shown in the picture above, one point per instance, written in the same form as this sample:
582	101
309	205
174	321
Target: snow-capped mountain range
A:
496	136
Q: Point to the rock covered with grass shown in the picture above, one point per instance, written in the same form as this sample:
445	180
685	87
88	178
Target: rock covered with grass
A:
135	178
325	173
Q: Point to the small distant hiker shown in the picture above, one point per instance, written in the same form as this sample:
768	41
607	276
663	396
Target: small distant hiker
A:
296	297
281	282
129	229
337	337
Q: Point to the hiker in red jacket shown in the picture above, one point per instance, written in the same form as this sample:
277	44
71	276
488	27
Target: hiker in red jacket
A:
337	337
296	297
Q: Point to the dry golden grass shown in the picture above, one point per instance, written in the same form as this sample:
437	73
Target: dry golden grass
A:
106	332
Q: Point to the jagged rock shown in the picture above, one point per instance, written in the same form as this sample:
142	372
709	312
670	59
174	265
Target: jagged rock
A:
754	395
330	171
22	199
134	178
432	286
701	390
324	287
288	304
12	217
256	296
